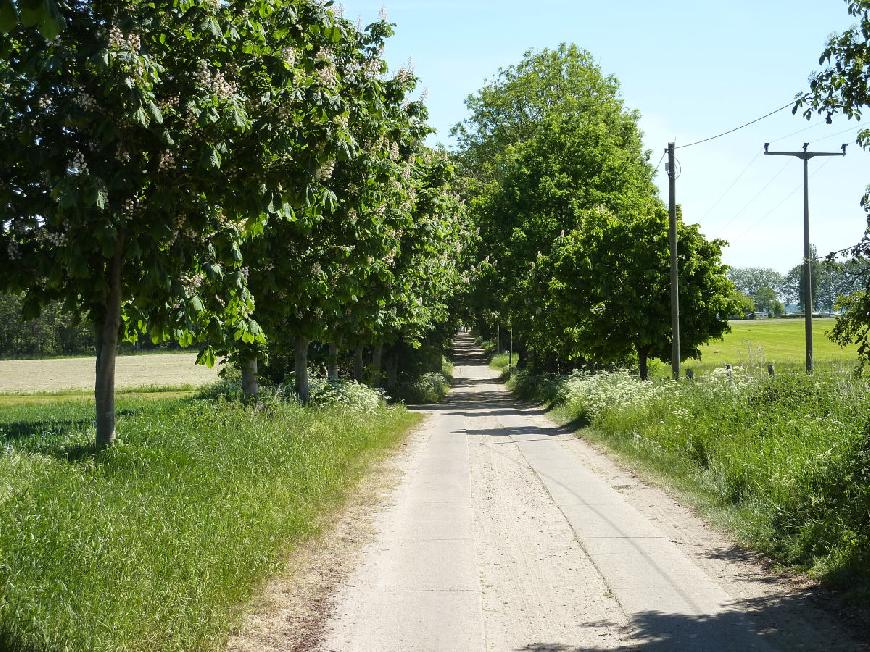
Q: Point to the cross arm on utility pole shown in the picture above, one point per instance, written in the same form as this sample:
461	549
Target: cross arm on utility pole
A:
805	155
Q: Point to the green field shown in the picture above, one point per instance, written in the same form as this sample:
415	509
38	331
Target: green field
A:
780	341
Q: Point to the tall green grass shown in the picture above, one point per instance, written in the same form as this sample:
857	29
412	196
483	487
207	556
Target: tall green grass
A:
785	461
157	543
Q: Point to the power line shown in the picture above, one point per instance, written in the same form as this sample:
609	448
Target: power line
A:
755	157
780	204
799	131
755	196
839	133
656	168
733	183
742	126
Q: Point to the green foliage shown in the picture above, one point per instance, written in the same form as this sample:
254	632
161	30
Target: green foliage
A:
785	460
154	543
45	15
841	87
742	303
763	286
430	387
54	332
571	243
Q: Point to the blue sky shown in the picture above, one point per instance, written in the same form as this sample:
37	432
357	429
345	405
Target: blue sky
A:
692	69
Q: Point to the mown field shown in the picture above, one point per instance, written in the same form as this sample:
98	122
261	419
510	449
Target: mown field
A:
159	542
132	371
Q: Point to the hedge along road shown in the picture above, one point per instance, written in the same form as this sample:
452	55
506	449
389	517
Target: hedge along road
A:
509	533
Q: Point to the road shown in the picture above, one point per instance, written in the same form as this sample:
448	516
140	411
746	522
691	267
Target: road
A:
508	533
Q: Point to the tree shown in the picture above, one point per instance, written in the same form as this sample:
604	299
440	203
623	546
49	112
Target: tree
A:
762	285
841	87
112	196
610	287
313	265
766	300
546	141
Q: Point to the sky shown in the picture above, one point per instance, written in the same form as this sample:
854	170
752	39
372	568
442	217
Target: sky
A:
692	69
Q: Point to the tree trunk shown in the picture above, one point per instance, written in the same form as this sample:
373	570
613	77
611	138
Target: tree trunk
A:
250	386
377	358
107	352
392	366
358	364
302	389
643	363
332	363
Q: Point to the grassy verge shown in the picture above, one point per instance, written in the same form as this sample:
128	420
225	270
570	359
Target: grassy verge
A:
784	462
158	543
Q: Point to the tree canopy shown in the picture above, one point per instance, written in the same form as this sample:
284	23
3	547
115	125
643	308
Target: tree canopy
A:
571	239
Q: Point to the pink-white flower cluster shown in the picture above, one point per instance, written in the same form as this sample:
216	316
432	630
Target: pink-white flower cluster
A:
118	41
167	160
215	82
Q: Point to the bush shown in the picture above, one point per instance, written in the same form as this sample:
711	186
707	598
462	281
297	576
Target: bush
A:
430	387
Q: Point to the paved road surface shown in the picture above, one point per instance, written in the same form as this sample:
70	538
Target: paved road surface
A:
508	533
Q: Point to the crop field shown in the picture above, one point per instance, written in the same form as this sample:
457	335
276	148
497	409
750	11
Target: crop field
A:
780	341
61	374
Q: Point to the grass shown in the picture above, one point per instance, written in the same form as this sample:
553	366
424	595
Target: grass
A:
784	462
780	341
159	542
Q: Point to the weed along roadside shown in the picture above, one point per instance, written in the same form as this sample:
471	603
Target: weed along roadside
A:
782	462
158	542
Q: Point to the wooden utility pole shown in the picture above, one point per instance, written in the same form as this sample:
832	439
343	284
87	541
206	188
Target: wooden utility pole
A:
805	156
675	279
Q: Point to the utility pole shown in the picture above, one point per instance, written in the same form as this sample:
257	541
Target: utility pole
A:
805	156
675	279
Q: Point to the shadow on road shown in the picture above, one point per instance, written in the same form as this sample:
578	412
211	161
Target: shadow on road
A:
778	623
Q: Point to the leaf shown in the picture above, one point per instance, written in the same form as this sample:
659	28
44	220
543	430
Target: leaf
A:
8	16
52	21
214	157
155	111
196	304
100	197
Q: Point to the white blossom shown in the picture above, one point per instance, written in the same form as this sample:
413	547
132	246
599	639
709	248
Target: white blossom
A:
325	172
167	160
78	164
289	55
118	41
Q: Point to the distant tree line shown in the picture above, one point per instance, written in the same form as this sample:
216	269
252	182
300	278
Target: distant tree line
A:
768	291
54	332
